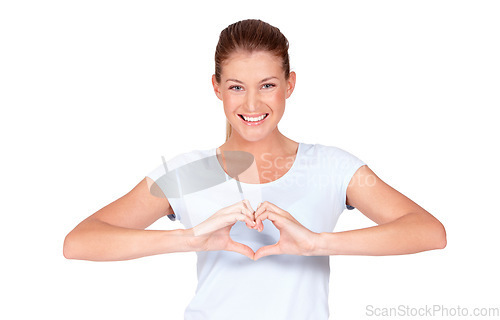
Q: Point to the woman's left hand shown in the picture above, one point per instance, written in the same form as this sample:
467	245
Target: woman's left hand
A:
294	237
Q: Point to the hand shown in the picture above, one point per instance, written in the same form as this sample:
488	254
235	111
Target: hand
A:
213	233
294	237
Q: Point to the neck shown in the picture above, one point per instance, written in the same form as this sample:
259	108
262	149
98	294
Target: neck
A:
275	143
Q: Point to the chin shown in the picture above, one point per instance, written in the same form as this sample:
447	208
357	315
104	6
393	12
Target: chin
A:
254	137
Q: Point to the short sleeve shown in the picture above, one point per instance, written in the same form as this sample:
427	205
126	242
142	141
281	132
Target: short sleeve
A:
158	175
348	165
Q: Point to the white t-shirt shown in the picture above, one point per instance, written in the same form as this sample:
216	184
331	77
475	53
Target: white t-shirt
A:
277	287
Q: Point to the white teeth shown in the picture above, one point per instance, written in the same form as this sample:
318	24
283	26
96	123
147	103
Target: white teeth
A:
254	119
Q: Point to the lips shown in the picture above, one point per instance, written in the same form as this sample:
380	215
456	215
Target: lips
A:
253	120
249	118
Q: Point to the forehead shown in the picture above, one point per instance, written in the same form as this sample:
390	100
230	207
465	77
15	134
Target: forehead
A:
258	64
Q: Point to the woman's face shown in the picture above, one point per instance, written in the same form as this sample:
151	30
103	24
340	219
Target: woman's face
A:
253	85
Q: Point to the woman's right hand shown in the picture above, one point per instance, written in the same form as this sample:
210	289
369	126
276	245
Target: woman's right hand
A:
213	233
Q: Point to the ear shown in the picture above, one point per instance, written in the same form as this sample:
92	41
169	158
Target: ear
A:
216	87
291	84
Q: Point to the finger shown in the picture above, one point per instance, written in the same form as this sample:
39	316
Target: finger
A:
252	215
269	215
260	217
235	207
242	210
281	212
232	212
274	207
240	248
266	205
267	251
242	217
258	221
248	205
263	216
260	208
241	204
246	212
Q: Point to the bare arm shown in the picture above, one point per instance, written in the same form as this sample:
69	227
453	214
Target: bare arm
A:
116	232
403	226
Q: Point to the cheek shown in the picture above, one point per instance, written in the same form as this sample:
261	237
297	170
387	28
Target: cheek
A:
277	99
231	102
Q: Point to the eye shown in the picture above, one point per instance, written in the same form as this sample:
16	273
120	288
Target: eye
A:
236	88
268	85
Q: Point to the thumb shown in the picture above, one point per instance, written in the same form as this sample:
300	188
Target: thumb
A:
240	248
267	251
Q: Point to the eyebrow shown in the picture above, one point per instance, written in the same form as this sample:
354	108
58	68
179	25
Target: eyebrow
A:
263	80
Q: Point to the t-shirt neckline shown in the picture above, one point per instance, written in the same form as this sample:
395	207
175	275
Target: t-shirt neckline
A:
283	177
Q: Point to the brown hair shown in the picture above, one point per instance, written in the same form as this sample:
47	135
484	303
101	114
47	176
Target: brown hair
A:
250	35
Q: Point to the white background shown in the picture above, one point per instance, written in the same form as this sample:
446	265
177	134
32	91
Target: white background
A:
93	93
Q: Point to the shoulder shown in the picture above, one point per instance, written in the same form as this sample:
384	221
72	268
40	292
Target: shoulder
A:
188	156
168	163
329	154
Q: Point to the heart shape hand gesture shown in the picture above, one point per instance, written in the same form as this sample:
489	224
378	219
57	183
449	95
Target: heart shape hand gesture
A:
213	233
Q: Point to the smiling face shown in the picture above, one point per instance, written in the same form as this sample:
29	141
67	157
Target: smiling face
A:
253	89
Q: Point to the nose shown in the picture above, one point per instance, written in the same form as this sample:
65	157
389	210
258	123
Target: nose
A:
252	100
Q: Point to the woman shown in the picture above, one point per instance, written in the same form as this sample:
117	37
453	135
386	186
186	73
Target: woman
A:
293	194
